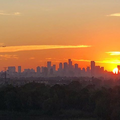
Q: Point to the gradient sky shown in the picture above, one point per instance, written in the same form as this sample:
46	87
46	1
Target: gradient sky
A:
27	24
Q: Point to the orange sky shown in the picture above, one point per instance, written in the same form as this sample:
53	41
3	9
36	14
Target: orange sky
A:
72	23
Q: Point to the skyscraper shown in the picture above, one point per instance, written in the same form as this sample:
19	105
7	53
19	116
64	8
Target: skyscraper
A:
60	66
76	66
11	69
65	66
88	69
69	64
92	68
97	70
19	69
49	65
54	68
102	69
38	69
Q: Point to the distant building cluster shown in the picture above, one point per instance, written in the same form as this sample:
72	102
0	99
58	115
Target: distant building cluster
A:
66	69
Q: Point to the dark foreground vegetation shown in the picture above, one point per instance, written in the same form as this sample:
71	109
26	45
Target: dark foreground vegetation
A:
60	101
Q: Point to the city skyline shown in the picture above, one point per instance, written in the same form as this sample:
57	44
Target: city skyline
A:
49	64
61	65
33	32
65	69
57	65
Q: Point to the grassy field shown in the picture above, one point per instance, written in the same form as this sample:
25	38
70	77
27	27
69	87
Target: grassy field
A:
35	118
12	115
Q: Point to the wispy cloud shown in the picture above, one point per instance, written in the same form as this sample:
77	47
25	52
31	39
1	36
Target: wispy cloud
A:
6	56
114	61
9	14
31	58
81	60
114	53
114	15
49	58
1	44
37	47
109	61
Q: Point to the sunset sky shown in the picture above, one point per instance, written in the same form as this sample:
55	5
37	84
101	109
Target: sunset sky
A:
37	31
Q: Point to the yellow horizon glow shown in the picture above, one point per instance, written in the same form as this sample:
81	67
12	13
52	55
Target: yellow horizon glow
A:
114	15
114	53
115	71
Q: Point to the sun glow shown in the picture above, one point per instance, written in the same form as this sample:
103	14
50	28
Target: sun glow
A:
115	71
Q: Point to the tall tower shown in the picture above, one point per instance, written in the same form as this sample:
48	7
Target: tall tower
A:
19	69
65	66
54	68
92	68
69	63
49	65
76	66
38	69
60	66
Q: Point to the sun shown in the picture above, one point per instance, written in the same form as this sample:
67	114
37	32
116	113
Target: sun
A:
115	71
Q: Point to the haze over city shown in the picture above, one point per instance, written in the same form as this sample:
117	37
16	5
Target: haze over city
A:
60	59
35	32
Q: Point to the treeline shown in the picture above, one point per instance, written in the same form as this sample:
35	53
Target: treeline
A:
63	101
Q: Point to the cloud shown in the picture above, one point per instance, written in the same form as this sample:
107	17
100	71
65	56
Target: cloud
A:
113	53
116	61
109	61
49	58
37	47
17	13
1	44
9	14
32	58
114	15
6	56
81	60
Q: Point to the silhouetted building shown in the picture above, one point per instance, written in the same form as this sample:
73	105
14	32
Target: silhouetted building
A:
69	64
42	68
19	69
11	69
76	66
97	70
83	70
49	65
29	71
54	68
38	69
76	70
45	71
92	68
32	70
88	71
102	69
60	66
65	66
51	71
